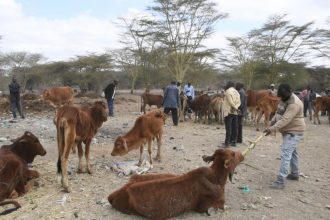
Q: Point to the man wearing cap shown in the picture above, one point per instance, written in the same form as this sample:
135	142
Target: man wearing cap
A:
15	98
272	91
109	93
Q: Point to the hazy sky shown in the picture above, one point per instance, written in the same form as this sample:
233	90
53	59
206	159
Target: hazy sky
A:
61	29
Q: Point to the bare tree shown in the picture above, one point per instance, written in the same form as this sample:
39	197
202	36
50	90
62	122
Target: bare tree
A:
182	26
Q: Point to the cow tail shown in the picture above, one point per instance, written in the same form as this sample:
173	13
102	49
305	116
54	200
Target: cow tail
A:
60	140
7	211
141	104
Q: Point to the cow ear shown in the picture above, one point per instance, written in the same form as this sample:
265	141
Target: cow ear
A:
227	164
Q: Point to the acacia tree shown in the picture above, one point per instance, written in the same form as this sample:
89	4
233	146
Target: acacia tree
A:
321	42
240	55
278	42
182	26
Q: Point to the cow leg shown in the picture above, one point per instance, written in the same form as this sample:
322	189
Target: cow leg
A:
260	113
32	174
141	154
87	148
68	142
267	115
80	155
144	108
159	144
149	151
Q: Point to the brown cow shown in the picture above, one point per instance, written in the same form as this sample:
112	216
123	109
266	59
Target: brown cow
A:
267	106
160	196
201	106
146	128
150	99
321	104
252	97
216	108
58	96
75	125
14	171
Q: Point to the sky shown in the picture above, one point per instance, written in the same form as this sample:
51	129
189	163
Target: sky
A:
63	29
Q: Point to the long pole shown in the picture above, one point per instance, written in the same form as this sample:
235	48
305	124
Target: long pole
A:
252	145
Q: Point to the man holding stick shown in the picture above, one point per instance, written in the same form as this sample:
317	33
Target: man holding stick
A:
289	121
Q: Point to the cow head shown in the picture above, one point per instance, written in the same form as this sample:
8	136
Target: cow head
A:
224	159
158	114
28	147
45	95
99	111
120	147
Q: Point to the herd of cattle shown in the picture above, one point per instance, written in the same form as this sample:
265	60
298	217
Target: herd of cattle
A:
156	196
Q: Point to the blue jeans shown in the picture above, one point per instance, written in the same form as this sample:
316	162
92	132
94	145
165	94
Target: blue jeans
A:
289	156
110	106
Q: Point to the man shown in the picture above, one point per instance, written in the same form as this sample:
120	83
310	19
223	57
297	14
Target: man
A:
272	90
305	96
109	93
289	120
190	93
230	111
15	98
242	111
171	101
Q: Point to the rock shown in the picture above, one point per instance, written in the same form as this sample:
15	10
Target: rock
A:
328	206
269	205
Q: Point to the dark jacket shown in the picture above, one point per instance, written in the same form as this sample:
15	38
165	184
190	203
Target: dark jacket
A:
109	91
171	97
243	106
14	90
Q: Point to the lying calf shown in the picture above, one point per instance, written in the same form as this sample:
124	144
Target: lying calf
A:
160	196
14	171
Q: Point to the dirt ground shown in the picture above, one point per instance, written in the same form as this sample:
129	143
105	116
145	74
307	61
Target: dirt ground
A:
182	151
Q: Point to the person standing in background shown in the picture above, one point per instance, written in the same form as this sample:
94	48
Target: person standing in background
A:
15	98
190	93
242	111
171	101
231	104
109	93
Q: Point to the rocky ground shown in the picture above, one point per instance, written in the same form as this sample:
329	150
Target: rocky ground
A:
182	150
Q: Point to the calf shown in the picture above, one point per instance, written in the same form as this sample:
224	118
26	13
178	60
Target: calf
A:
183	106
216	108
160	196
146	128
77	125
267	106
321	104
201	106
58	96
150	99
14	171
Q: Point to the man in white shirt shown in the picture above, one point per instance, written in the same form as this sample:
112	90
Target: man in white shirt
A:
190	93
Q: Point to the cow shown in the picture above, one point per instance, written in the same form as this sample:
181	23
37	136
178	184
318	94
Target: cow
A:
216	108
183	106
146	128
161	196
150	99
252	97
321	104
76	125
14	171
267	106
201	106
58	96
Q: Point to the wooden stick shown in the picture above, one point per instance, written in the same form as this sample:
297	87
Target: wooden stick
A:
252	145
